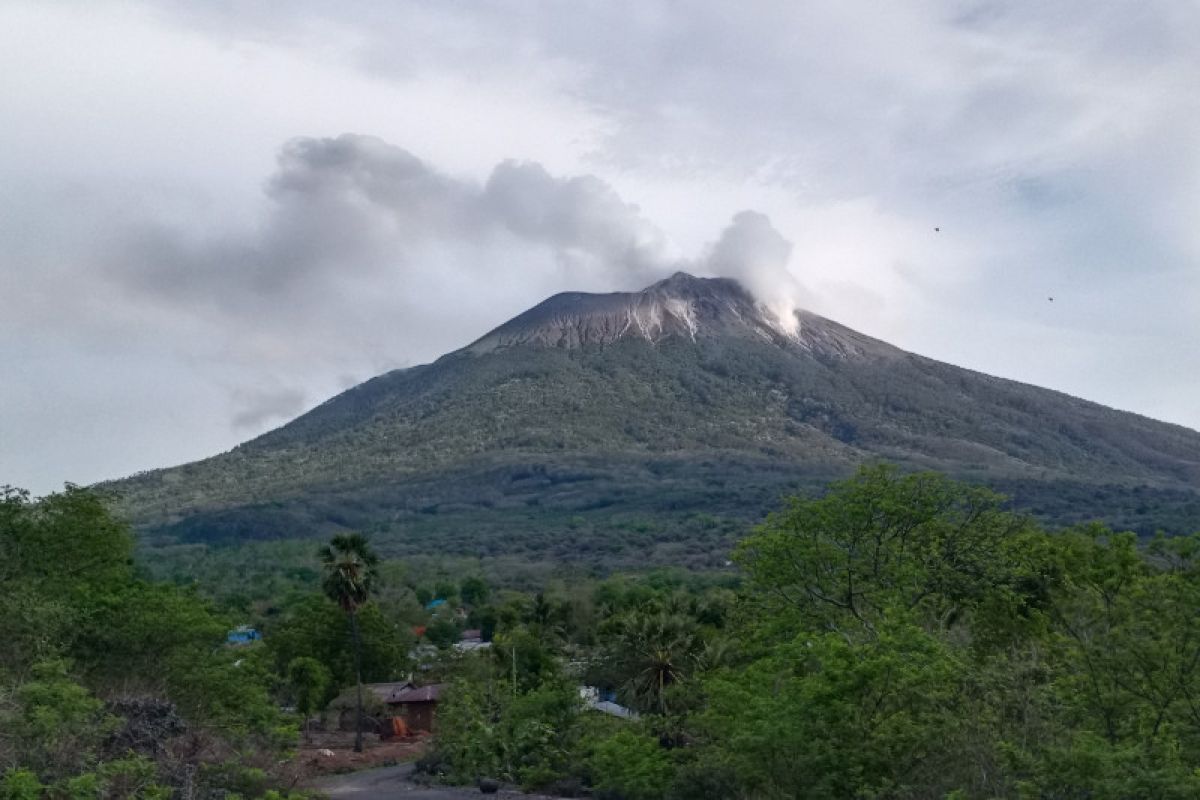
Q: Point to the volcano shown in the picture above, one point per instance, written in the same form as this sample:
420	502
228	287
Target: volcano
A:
653	426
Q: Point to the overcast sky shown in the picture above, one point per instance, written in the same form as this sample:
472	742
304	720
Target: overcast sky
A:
214	216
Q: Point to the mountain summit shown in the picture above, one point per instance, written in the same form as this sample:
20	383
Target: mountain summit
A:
681	305
591	414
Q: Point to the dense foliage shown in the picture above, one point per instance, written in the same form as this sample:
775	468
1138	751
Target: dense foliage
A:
901	637
112	685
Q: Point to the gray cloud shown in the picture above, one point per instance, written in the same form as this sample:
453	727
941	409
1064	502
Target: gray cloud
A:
366	256
355	206
156	265
254	408
582	217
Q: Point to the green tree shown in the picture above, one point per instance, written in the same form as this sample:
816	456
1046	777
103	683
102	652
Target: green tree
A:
315	628
349	565
922	543
824	718
310	682
18	783
650	654
487	730
442	632
55	723
896	634
77	623
631	765
473	591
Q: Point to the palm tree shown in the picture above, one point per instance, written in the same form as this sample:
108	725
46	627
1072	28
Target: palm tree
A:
654	652
349	565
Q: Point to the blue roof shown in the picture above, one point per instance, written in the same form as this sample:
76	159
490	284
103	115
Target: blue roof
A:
436	603
242	634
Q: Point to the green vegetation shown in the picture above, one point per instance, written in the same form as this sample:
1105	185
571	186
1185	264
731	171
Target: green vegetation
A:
310	682
108	682
589	454
904	636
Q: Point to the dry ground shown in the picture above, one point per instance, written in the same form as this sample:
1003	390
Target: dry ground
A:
312	759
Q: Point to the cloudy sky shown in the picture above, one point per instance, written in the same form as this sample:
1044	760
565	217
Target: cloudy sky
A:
214	216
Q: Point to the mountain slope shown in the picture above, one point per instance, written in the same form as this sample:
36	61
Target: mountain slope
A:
649	408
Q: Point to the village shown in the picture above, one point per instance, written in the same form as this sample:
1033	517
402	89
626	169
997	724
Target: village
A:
399	718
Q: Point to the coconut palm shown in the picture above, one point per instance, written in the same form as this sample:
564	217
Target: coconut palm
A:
349	565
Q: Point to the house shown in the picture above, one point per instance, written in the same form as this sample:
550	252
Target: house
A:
418	705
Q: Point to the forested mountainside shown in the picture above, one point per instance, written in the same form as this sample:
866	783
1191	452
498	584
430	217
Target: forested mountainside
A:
664	417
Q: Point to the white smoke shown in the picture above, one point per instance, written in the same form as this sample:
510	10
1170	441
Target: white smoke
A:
751	251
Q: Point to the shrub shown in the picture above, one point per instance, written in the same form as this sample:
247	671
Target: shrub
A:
20	784
630	766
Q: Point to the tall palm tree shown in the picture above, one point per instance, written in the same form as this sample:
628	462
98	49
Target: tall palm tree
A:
349	565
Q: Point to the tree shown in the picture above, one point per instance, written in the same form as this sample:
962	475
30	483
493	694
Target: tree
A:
650	654
310	681
313	627
473	591
934	548
350	566
631	765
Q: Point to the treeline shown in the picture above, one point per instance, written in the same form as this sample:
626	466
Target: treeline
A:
901	637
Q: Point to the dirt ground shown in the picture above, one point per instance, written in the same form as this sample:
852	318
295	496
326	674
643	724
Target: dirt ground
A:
395	782
383	770
331	753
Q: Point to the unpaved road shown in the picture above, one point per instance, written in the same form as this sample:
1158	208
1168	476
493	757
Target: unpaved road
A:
393	782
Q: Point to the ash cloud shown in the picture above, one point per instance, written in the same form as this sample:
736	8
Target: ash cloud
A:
582	217
254	408
367	256
354	205
356	208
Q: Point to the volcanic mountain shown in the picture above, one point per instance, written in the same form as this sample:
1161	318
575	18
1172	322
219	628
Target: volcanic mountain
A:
646	422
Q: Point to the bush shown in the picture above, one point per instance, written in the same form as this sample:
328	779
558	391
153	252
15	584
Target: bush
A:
630	766
20	784
701	781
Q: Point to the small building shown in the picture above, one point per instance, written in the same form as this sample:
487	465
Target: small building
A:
418	705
